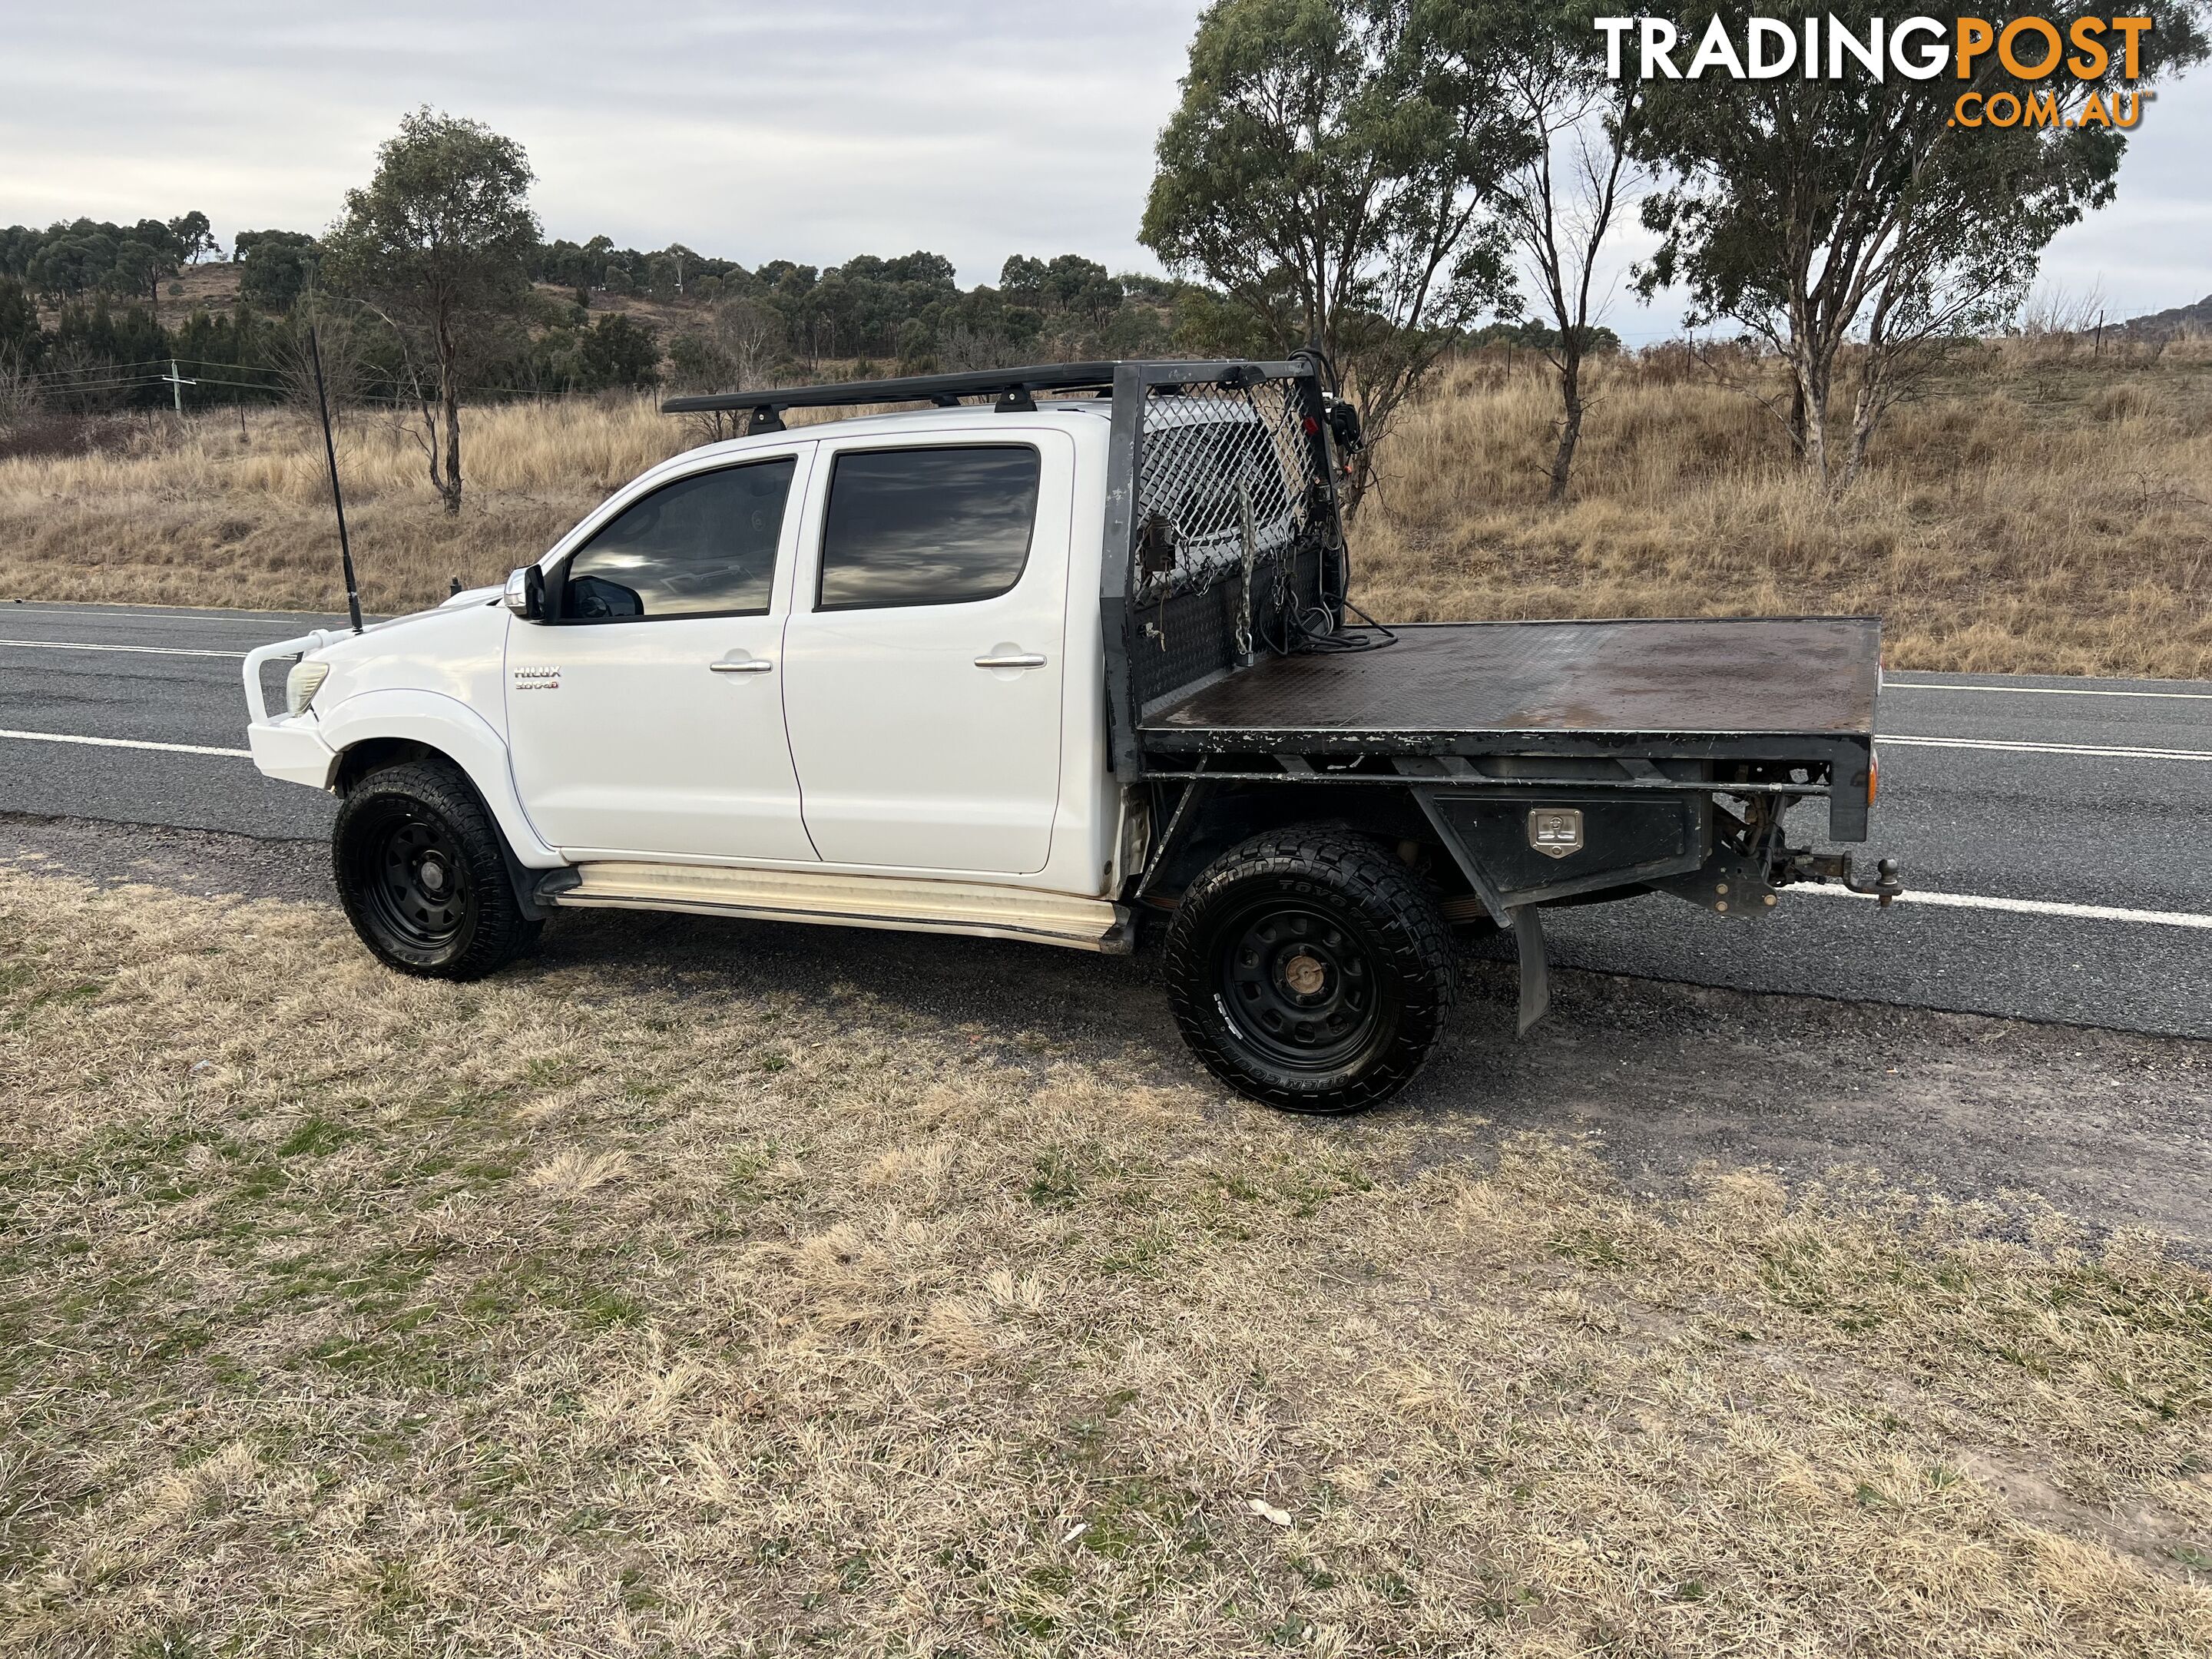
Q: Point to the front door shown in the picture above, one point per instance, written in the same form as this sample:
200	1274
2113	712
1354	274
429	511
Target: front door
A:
647	715
922	670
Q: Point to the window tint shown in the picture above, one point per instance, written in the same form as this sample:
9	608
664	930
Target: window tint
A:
928	526
703	546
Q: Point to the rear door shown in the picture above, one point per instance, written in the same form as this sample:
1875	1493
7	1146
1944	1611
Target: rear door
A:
923	660
647	716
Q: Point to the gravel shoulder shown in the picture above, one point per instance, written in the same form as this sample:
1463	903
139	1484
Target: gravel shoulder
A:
1664	1080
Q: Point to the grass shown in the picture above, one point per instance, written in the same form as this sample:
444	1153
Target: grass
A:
2040	509
226	515
346	1314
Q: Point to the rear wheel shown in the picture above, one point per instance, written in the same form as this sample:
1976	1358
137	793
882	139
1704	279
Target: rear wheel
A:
1311	969
423	874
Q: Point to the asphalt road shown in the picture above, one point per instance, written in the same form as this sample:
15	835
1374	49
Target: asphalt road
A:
2056	833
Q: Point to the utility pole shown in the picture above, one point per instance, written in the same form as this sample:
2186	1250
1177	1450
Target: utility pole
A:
177	385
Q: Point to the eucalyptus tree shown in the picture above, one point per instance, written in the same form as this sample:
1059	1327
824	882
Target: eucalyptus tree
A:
439	244
1809	210
1334	176
1567	199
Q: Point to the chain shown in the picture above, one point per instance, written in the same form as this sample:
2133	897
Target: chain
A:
1251	541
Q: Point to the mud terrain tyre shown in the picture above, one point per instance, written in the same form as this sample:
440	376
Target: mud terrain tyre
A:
1310	970
423	874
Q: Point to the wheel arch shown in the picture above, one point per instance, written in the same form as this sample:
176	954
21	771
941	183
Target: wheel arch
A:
1230	813
379	754
379	729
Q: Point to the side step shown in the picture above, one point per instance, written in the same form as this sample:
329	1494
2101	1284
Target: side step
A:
902	903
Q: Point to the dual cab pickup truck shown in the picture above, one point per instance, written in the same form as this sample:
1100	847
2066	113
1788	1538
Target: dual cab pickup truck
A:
1042	666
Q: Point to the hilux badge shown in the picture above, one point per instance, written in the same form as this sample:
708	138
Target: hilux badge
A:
1555	831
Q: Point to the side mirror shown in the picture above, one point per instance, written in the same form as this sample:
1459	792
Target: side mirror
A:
525	593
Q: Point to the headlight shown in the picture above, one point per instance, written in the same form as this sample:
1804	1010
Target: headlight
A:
302	683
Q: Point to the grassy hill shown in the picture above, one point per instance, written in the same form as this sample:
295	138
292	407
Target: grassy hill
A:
2179	321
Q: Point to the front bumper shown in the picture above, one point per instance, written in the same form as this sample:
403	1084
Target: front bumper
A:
287	746
291	747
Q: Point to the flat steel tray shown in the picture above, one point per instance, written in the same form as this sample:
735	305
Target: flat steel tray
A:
1718	678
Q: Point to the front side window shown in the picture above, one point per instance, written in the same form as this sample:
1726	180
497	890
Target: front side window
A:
928	526
703	546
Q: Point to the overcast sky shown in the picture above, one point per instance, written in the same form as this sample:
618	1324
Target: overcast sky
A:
811	131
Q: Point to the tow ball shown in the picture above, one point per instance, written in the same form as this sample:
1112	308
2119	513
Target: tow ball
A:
1885	884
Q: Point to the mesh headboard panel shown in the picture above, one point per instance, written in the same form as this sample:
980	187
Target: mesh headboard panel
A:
1228	481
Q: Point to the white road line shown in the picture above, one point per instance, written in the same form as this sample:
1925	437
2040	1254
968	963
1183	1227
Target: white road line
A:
143	650
2032	907
2047	748
227	618
2041	690
125	743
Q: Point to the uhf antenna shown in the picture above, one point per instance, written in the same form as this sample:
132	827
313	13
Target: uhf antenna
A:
331	454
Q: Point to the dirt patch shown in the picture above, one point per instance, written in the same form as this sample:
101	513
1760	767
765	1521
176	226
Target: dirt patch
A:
196	861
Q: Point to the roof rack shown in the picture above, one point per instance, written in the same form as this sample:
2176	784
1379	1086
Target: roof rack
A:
1015	389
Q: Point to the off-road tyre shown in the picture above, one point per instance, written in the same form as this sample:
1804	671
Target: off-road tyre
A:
1310	970
421	871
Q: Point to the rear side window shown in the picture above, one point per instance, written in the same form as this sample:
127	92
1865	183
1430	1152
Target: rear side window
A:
703	546
928	526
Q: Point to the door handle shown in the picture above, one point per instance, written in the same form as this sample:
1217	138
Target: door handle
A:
749	665
1027	659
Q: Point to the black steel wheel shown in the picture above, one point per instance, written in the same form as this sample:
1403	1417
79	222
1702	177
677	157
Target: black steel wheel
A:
1300	984
423	874
418	892
1311	969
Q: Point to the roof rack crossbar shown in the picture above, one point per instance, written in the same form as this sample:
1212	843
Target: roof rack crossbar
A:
1015	389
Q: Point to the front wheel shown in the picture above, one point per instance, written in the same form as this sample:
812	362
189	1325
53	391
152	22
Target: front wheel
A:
423	874
1310	970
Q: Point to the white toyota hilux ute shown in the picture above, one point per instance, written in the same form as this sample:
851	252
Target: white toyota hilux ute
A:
1034	667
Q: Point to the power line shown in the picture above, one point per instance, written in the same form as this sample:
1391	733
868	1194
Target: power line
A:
98	369
113	386
243	385
243	368
280	388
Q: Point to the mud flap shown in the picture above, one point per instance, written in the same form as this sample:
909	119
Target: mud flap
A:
539	890
1535	976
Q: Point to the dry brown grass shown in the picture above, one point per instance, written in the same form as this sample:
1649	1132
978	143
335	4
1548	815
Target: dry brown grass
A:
641	1303
2040	510
2033	514
219	518
2036	512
